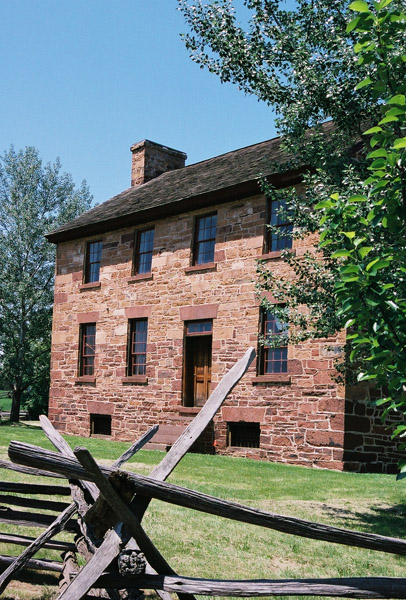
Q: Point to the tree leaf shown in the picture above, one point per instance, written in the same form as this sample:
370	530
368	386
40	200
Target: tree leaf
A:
398	99
341	254
364	251
359	6
352	24
363	83
375	129
399	143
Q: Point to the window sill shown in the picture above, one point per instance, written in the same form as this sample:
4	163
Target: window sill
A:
212	266
189	410
90	286
135	379
275	254
272	378
85	379
140	277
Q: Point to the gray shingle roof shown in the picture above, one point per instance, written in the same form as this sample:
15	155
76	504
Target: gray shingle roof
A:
183	189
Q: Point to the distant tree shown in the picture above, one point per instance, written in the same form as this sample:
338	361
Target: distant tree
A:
34	199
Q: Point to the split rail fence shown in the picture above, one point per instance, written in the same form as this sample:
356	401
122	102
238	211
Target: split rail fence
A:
120	559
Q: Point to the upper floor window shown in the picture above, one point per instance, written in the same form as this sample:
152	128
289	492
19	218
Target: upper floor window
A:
137	347
204	239
279	236
272	360
143	247
87	349
92	261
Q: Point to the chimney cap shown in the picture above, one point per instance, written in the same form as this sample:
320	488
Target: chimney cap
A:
166	149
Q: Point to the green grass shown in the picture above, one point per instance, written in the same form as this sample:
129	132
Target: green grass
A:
196	544
5	401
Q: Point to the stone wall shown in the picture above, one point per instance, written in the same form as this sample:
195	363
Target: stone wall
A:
301	413
367	441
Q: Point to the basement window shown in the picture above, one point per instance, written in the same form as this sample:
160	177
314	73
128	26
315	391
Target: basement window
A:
100	424
243	435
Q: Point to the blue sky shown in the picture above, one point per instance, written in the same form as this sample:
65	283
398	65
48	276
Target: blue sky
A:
85	79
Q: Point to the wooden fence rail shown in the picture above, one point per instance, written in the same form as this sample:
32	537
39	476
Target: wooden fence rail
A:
345	587
167	492
128	495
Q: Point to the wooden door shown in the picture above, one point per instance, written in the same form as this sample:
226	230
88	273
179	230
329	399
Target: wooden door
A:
197	370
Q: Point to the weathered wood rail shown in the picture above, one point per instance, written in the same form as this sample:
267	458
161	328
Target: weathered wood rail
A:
31	516
128	494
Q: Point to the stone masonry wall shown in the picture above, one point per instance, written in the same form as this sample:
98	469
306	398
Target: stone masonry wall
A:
301	413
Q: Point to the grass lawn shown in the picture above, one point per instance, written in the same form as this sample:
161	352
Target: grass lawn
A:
5	401
196	544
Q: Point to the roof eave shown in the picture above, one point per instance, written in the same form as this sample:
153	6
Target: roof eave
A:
196	202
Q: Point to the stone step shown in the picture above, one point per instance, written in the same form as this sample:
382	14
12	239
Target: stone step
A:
165	437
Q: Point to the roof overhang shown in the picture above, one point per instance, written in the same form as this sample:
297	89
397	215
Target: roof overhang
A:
196	202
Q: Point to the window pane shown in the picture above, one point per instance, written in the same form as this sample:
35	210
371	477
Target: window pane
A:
87	349
143	251
279	218
137	355
275	360
194	327
93	258
205	239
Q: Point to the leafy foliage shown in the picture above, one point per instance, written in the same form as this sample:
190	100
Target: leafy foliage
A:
301	62
34	199
312	64
367	230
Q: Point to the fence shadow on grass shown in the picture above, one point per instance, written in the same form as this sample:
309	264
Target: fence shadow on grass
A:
377	519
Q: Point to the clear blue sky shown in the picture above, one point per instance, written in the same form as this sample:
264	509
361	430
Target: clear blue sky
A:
85	79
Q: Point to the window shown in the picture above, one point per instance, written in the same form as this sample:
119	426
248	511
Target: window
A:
204	239
197	362
272	360
137	347
244	435
87	349
100	424
143	247
93	257
278	238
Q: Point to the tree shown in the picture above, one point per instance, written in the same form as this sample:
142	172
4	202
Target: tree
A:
34	199
302	62
366	230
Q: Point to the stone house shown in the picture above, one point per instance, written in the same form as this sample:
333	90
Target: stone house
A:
155	300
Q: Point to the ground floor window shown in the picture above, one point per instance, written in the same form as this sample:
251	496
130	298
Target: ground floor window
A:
244	435
197	362
272	360
137	347
100	424
87	349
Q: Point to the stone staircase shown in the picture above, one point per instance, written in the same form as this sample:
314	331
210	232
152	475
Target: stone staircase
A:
175	425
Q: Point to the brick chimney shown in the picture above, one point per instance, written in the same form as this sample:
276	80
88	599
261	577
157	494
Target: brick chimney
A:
150	160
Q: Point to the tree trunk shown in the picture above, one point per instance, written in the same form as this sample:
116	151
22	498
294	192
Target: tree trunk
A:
15	405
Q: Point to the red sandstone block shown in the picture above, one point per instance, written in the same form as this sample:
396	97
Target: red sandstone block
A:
317	364
306	407
324	438
88	317
330	404
323	377
100	408
337	421
60	298
281	441
248	414
77	275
